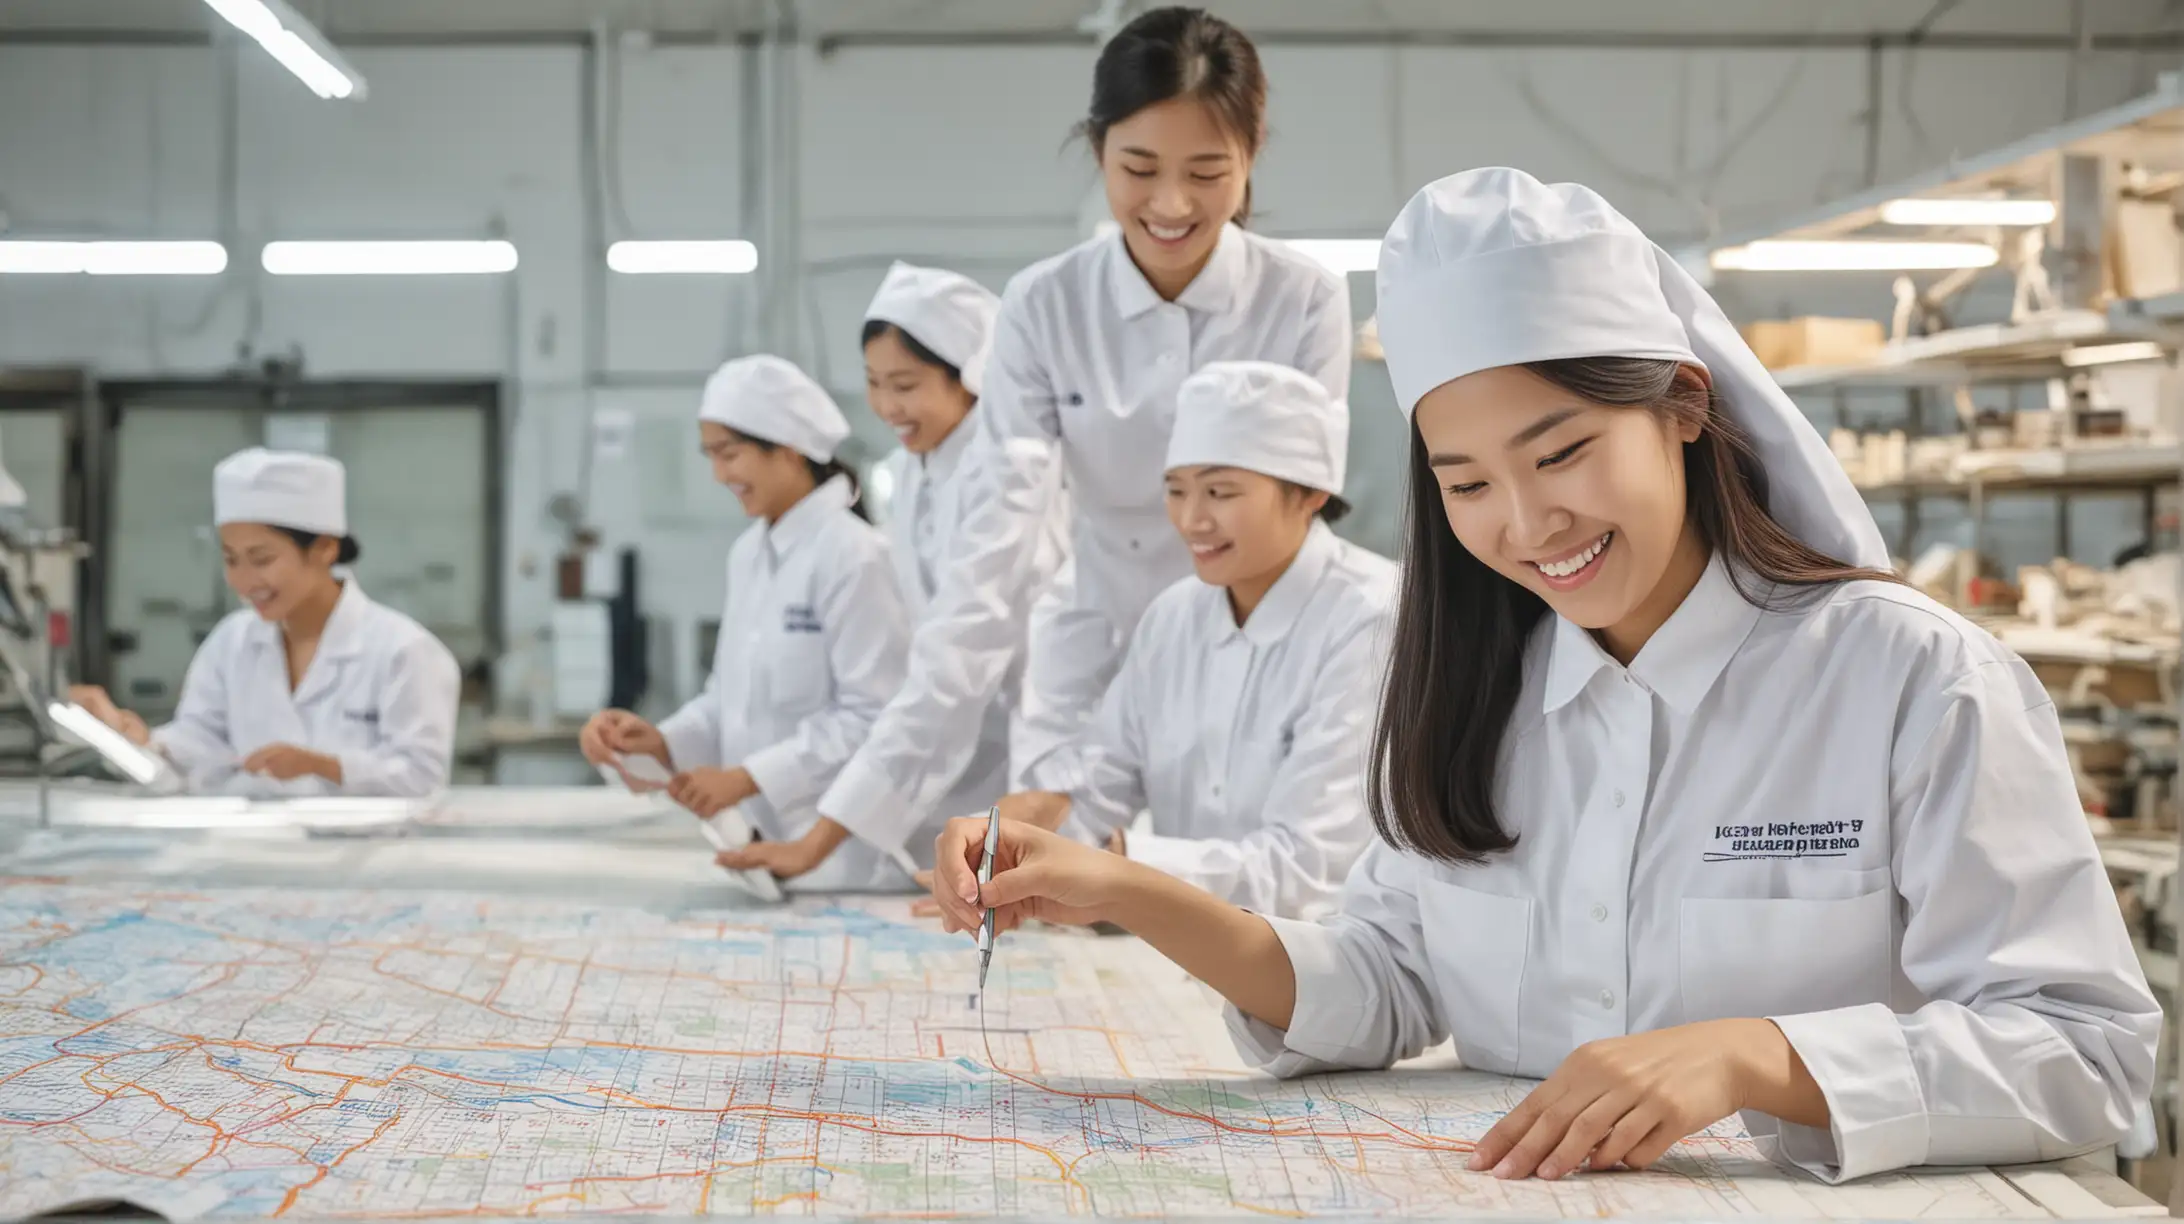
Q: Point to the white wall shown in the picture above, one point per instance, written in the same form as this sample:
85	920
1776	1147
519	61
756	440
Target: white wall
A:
955	155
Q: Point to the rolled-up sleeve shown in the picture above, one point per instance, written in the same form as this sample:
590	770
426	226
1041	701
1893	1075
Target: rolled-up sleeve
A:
1364	998
2038	1039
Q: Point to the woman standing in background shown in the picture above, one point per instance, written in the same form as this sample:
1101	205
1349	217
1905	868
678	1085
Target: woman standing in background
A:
926	337
1088	352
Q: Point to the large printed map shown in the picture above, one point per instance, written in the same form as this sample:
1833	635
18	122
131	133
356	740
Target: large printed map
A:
378	1054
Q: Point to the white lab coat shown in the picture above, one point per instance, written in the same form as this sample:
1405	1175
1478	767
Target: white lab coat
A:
1247	745
1083	374
923	516
380	694
811	646
1851	815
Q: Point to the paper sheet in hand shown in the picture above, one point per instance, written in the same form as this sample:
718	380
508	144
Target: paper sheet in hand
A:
637	773
729	831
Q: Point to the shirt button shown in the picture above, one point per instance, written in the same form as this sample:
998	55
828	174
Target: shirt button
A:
1607	998
1618	798
1217	790
1599	913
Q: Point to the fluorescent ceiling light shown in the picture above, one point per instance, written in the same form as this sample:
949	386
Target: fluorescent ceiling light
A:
1968	212
732	257
113	258
1340	255
295	43
1850	255
2110	354
389	258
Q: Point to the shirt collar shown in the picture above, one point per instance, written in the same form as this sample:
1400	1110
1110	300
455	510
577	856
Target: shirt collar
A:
1680	662
343	634
804	519
1216	289
1283	604
940	463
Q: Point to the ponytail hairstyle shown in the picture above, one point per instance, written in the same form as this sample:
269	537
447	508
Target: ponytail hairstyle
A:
1178	52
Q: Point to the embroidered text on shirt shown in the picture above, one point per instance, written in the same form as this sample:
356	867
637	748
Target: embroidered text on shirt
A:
1789	840
362	716
800	618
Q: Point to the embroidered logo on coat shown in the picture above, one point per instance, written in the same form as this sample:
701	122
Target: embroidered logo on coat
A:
800	618
1790	840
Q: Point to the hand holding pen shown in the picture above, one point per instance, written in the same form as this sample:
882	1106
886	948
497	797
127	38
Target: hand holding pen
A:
1034	874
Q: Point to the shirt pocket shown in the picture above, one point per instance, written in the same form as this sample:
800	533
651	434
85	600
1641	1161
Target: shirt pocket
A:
1830	945
799	675
1476	947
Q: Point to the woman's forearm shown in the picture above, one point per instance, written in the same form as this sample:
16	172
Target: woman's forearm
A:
1232	950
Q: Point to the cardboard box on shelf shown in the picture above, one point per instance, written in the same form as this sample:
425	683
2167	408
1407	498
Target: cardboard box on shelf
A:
2146	249
1812	340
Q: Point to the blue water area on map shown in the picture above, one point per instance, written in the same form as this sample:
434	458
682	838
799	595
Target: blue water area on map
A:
88	1009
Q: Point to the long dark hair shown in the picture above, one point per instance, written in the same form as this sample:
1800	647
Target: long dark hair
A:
1180	52
820	472
1457	663
875	328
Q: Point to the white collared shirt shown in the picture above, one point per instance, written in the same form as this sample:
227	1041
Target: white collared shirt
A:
1852	815
1247	745
927	508
811	646
1081	384
380	695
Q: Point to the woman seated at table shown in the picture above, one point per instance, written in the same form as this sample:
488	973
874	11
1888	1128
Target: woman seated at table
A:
1241	715
312	689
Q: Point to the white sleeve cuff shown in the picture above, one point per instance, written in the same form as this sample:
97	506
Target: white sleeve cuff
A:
691	741
781	777
1324	1023
1877	1118
866	803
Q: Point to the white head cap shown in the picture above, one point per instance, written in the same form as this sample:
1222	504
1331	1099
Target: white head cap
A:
950	314
1262	417
769	399
1494	268
281	489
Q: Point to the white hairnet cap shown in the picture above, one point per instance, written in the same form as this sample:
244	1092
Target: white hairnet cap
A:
1494	268
1261	417
950	314
769	399
281	489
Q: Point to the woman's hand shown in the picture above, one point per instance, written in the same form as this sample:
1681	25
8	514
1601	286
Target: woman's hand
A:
788	859
709	792
1627	1100
611	733
101	706
1039	809
1036	874
286	762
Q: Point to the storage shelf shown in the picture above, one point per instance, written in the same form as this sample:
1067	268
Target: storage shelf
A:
2120	466
1987	352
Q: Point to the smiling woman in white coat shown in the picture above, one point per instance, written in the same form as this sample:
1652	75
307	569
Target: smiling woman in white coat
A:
926	336
1240	718
1685	804
313	689
1088	351
811	640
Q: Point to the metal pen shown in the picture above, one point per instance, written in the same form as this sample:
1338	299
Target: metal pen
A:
985	875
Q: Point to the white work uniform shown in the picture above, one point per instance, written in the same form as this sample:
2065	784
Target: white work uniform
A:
380	695
1853	816
1246	744
811	646
1085	365
923	517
